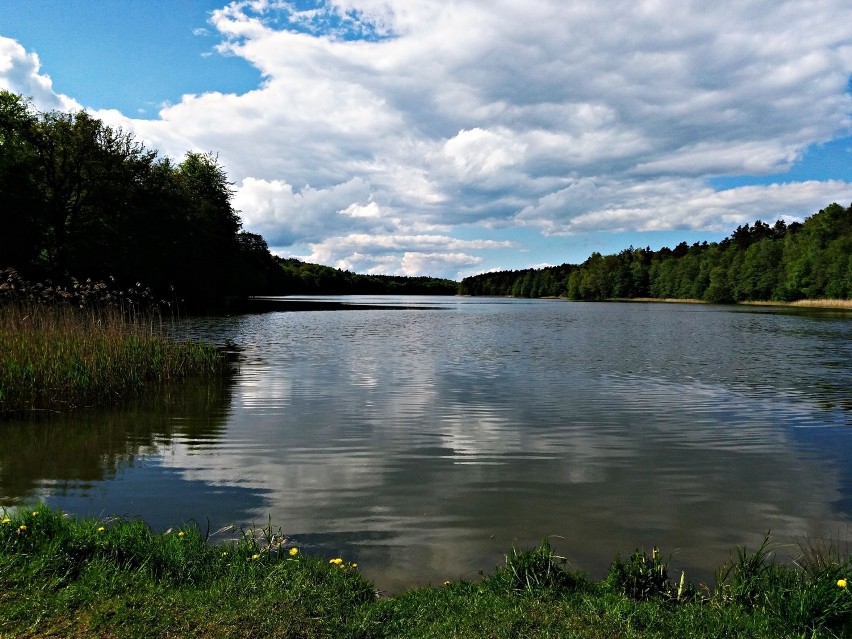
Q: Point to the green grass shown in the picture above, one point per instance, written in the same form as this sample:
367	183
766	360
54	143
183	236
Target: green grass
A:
56	357
62	577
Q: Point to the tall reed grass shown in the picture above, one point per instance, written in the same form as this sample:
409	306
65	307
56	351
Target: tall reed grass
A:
807	303
66	352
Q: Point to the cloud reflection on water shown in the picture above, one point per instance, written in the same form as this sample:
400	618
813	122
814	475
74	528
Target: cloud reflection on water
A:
464	443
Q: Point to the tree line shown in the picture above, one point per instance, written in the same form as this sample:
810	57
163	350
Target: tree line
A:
756	262
82	200
305	278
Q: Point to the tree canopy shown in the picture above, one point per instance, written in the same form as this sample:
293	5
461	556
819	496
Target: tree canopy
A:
80	198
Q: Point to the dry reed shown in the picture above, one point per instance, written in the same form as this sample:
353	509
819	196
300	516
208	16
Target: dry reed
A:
57	357
810	303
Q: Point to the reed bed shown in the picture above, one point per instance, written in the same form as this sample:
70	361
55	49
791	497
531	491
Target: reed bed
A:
826	303
808	303
62	353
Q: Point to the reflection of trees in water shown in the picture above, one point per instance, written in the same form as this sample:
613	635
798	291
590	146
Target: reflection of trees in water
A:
90	446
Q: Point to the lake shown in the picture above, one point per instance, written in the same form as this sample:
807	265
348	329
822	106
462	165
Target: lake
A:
424	438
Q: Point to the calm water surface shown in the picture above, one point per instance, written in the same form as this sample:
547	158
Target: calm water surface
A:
424	442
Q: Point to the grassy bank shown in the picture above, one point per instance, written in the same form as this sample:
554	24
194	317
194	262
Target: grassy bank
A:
57	357
61	577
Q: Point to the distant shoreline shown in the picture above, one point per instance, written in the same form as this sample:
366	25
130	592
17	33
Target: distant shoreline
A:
827	303
667	300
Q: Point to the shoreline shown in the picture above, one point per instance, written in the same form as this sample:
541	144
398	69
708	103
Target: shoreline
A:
836	304
833	304
64	576
827	304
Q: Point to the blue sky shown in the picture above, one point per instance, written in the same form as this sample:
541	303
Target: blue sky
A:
125	55
453	138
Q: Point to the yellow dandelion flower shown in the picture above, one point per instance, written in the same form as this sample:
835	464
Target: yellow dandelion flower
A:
353	565
7	521
225	553
35	512
22	528
294	552
842	583
181	534
337	561
255	556
101	529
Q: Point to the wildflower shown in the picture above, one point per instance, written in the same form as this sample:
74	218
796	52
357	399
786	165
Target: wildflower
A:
35	513
7	521
294	551
224	553
337	561
23	528
842	583
181	534
101	529
255	556
447	583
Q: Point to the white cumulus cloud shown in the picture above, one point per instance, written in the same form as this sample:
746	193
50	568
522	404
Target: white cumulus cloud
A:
20	72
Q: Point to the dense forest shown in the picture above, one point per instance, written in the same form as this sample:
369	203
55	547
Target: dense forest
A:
758	262
79	199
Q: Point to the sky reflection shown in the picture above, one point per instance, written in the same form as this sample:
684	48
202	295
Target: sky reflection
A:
423	444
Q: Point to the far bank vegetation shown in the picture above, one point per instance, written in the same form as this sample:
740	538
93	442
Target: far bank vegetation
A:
759	262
